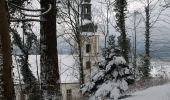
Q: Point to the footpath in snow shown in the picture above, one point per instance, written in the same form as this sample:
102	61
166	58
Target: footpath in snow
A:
154	93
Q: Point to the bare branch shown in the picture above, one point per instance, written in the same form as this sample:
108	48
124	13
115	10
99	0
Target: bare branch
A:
50	6
14	5
25	20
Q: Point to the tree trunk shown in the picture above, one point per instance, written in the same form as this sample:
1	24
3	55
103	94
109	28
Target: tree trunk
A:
147	42
7	87
120	8
50	79
79	42
124	47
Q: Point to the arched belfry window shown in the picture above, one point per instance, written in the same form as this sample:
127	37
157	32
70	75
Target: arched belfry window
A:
88	65
88	48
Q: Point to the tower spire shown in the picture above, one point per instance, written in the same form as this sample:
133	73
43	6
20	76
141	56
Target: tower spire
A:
86	10
86	16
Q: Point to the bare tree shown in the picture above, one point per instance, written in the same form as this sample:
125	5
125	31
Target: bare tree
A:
106	19
150	19
71	16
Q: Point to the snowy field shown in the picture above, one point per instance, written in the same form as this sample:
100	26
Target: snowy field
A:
154	93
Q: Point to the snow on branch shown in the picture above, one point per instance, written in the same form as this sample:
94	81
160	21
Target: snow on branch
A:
25	20
43	13
16	6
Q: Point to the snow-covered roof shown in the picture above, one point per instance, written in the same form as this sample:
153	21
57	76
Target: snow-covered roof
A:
86	21
67	68
90	33
86	3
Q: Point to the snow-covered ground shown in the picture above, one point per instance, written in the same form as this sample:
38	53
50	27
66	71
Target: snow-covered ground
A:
154	93
160	67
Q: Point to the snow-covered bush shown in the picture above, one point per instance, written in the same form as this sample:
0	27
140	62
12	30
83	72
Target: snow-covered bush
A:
109	80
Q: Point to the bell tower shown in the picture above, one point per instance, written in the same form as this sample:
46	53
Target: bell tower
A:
86	10
86	17
90	40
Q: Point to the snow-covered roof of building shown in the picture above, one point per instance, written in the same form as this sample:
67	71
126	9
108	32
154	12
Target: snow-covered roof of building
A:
86	21
90	33
68	70
67	67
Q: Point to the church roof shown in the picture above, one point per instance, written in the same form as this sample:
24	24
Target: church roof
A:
67	68
86	2
86	21
89	33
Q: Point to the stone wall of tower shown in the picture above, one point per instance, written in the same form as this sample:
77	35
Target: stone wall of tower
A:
93	41
90	57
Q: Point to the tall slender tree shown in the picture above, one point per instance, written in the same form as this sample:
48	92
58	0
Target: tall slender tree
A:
150	19
120	8
6	87
71	15
147	41
50	79
106	19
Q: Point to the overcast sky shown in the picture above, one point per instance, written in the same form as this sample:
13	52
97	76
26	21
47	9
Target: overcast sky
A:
159	33
160	41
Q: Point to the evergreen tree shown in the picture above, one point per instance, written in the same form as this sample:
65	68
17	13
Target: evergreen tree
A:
109	79
111	46
120	8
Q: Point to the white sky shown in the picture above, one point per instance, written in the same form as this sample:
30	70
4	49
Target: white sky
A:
159	33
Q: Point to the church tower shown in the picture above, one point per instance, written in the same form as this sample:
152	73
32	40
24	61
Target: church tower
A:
86	19
90	40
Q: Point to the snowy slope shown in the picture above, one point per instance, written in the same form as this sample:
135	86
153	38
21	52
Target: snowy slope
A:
154	93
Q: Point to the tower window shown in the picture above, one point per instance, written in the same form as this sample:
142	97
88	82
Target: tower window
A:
88	65
69	94
86	10
88	48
